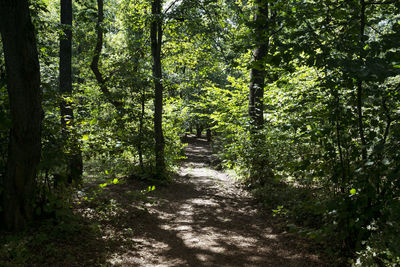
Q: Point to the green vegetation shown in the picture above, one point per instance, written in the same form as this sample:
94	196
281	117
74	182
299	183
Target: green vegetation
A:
300	98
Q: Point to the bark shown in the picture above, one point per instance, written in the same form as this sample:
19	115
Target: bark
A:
258	73
75	164
66	50
23	85
156	42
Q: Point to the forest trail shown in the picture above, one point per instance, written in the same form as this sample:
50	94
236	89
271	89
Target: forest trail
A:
204	219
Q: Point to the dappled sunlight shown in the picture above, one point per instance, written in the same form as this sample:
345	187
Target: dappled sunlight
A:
202	219
199	133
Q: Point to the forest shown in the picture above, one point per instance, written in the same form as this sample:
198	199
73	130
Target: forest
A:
200	133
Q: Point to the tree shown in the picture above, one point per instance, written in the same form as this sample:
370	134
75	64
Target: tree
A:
102	81
258	73
156	42
259	167
67	115
23	85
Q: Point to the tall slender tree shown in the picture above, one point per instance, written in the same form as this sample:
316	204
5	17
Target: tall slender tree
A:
260	168
23	85
360	82
156	42
67	115
258	73
94	65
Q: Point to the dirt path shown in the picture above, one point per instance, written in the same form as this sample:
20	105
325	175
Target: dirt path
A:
202	219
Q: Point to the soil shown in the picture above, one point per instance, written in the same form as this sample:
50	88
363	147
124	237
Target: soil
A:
203	218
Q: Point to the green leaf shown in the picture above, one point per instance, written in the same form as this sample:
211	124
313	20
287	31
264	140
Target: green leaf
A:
353	191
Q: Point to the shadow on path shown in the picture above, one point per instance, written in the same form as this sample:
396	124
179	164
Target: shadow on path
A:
202	219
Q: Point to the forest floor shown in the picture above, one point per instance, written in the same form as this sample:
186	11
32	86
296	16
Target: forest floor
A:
203	218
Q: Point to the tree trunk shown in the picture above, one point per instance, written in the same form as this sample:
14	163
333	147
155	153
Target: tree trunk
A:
94	65
23	85
67	116
360	84
258	73
208	135
259	169
156	41
141	122
343	182
199	130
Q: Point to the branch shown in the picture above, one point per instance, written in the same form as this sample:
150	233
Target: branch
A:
168	8
96	57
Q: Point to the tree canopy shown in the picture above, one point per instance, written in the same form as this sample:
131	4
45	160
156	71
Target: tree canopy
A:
300	98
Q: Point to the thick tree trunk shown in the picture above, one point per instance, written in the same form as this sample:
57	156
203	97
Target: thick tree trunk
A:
23	85
258	73
67	114
156	41
66	56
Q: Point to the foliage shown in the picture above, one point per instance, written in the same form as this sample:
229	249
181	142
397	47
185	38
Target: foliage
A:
327	157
